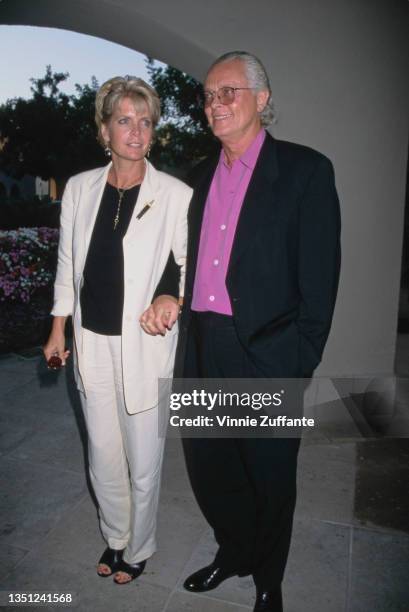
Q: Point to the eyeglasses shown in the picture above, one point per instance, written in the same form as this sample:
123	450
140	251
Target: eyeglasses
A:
225	95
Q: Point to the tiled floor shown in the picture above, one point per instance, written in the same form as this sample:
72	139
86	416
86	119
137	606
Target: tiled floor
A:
350	548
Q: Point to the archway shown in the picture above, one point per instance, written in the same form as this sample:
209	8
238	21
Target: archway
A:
126	25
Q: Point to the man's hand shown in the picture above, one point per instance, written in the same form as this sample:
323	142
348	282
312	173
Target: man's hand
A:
160	316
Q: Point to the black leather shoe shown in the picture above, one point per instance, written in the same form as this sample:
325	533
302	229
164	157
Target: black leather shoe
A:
269	601
207	578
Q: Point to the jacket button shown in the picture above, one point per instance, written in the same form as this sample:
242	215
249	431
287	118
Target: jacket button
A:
235	299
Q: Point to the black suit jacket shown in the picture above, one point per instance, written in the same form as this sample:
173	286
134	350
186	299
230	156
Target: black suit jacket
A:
283	271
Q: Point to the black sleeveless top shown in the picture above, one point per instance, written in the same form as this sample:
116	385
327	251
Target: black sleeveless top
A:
102	293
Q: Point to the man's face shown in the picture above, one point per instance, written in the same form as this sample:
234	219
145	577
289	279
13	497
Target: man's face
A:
239	119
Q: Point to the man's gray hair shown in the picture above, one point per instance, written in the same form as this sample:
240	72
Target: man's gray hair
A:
257	79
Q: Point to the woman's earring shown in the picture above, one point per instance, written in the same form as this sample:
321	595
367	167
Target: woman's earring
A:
148	152
107	151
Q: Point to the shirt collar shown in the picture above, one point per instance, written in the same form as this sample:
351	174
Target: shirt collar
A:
250	155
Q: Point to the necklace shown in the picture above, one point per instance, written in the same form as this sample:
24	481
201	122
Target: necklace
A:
121	193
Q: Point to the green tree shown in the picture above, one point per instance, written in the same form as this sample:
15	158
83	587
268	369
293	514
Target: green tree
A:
183	137
51	134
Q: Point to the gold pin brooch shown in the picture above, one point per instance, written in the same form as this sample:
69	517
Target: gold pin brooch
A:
145	209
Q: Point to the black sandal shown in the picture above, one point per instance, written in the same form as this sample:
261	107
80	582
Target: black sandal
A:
112	558
132	569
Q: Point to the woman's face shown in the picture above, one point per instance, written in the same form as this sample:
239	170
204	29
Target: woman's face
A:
128	132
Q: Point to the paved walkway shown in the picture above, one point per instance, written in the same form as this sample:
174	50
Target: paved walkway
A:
350	549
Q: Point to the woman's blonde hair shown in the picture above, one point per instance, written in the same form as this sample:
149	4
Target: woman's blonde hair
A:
117	88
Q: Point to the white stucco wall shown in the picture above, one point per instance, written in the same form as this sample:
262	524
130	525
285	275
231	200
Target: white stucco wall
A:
338	71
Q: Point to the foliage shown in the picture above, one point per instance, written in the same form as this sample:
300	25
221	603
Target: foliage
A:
180	96
183	137
29	213
27	262
51	134
27	268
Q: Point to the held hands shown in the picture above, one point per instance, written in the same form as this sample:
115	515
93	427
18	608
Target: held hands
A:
160	316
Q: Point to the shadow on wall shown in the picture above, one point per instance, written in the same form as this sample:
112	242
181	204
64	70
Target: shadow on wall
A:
403	322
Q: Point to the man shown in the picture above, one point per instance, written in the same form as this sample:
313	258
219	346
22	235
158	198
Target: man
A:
262	275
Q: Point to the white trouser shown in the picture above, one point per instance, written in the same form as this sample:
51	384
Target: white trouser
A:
125	452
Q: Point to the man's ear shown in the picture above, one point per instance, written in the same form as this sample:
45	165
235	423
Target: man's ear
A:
262	99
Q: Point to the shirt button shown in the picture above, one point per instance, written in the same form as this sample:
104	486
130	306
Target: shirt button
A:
130	281
211	298
128	317
215	262
223	227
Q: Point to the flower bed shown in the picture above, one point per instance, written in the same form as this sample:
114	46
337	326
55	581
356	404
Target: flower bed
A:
28	260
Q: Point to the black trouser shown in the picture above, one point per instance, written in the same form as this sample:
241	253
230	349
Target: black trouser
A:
246	487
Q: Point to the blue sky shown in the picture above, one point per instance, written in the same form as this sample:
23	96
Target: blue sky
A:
25	51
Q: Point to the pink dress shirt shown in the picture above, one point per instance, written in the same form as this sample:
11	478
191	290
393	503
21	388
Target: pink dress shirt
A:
221	214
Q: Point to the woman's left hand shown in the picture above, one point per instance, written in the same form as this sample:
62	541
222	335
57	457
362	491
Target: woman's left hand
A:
161	315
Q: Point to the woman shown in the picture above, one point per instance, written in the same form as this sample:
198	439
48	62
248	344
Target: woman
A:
119	225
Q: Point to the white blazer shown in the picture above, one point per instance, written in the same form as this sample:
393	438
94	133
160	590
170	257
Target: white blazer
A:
146	248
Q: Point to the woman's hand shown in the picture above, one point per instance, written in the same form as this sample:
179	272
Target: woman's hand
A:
55	345
160	316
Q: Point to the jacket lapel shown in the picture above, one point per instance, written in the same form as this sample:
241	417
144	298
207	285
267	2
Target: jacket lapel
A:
258	203
148	195
195	216
90	203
